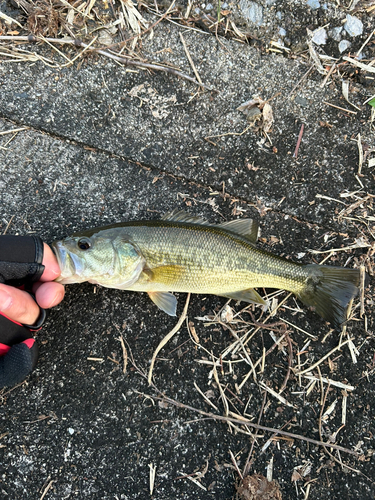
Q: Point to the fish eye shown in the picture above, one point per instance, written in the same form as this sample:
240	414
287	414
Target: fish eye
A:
84	243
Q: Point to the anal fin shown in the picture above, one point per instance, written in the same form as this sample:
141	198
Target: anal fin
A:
249	295
165	301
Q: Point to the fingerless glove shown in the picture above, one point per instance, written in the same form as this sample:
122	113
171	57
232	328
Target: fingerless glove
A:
20	265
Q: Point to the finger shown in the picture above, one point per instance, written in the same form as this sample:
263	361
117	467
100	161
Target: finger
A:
18	305
49	294
52	270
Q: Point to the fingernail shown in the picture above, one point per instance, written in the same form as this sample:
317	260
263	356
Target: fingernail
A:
56	271
5	300
57	298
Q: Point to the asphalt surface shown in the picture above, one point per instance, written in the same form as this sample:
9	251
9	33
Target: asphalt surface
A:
103	144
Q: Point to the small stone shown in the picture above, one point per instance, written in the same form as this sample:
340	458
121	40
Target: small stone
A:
320	37
301	101
336	33
353	25
71	431
282	32
279	15
209	6
252	11
344	45
313	4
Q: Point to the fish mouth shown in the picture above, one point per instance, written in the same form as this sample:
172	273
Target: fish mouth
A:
70	264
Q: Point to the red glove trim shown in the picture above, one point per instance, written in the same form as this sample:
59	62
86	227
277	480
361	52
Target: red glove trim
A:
12	320
4	349
29	342
38	324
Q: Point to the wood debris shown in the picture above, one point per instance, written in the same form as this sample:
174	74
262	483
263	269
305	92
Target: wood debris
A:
345	93
301	471
152	477
133	17
315	58
9	20
43	17
364	67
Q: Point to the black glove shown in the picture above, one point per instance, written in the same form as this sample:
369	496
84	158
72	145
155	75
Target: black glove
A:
20	259
20	265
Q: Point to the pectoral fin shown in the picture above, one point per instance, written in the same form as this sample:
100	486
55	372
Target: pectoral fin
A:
249	295
165	301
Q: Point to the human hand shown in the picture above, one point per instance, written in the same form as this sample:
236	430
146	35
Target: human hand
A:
27	261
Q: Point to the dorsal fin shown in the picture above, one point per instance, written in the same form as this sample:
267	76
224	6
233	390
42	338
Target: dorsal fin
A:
247	228
182	216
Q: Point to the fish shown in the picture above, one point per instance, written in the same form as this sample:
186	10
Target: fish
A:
184	253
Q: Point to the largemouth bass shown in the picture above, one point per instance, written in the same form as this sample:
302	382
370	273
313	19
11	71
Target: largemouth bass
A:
182	253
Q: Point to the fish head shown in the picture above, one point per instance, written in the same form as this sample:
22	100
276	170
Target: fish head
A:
106	258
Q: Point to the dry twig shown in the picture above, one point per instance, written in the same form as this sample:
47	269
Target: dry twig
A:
243	421
167	338
264	428
127	61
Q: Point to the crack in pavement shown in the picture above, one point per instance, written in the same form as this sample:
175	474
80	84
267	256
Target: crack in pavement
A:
163	173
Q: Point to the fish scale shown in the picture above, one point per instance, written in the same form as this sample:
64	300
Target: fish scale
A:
234	265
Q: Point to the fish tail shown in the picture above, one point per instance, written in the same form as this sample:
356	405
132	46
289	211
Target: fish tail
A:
329	291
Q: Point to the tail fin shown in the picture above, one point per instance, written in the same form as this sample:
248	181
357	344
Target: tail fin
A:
329	290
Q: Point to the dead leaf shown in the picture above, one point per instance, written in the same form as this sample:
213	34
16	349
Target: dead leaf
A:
258	109
267	118
256	487
226	315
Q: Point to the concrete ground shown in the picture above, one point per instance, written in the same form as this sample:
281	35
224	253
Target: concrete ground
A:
99	143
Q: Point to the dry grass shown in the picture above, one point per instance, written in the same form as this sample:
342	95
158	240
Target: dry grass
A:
98	31
309	378
303	382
